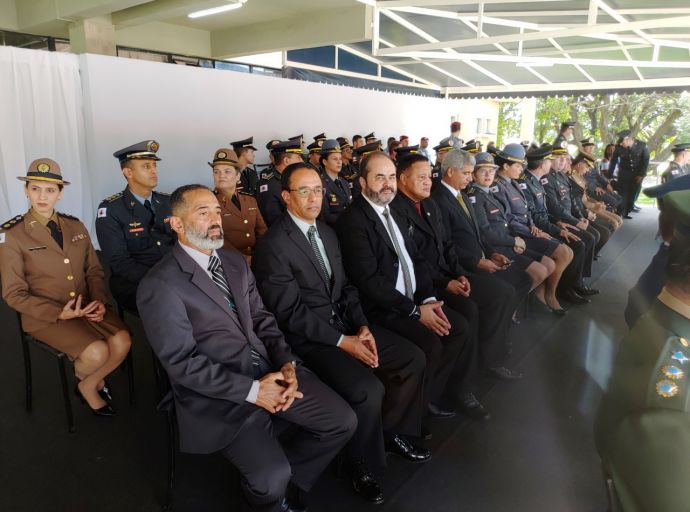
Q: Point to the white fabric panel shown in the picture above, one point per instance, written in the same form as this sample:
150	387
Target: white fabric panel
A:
41	116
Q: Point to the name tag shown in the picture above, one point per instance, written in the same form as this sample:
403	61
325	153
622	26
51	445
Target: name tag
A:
516	198
495	210
39	248
136	230
675	171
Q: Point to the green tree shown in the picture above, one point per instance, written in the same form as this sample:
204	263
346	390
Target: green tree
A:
509	119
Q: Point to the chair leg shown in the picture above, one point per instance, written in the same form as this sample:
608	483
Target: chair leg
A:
28	380
172	442
129	361
65	394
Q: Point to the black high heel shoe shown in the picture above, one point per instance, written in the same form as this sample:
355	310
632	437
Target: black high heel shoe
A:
104	392
106	410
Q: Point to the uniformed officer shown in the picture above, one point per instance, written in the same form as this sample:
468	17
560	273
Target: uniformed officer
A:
642	429
441	149
564	134
357	141
473	146
404	141
350	170
454	139
598	186
337	191
132	225
315	156
271	204
320	139
242	222
51	276
370	138
677	167
623	159
249	179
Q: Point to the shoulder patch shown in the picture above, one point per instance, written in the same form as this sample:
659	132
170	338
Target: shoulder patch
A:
522	186
244	192
67	216
266	175
112	198
473	199
494	189
7	225
263	188
101	213
544	181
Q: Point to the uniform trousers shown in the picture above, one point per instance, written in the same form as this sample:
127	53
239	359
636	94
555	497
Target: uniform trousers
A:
266	466
389	398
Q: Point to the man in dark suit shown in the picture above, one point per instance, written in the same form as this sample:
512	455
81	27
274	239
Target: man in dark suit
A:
485	302
232	374
301	278
471	246
395	287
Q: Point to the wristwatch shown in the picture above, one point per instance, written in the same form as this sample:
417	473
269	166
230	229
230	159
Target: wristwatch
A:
415	315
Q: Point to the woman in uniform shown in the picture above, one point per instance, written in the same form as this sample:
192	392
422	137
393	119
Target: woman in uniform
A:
242	222
51	275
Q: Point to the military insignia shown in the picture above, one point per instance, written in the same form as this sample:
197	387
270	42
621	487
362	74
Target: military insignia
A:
101	213
544	181
135	224
684	342
591	140
12	222
222	154
334	198
680	357
672	372
263	188
667	388
473	199
43	167
494	189
351	184
80	236
152	146
39	248
114	197
136	230
522	186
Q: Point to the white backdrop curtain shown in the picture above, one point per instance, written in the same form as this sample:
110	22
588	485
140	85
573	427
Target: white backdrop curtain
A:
41	115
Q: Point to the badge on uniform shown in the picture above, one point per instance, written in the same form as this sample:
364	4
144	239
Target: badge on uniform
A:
494	189
522	186
473	199
80	236
263	188
136	230
350	183
39	248
493	211
101	212
544	181
334	199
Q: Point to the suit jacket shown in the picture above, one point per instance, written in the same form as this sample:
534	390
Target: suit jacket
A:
39	277
241	228
293	286
372	263
430	238
469	241
205	347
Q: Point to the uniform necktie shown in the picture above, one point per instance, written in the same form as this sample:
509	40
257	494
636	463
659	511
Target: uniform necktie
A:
339	184
55	232
461	200
147	205
407	280
236	201
311	234
218	277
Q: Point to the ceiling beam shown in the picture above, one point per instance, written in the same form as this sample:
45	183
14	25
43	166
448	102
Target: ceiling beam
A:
160	10
37	13
652	11
389	4
677	21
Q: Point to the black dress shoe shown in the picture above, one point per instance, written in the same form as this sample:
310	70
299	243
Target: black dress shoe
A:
106	410
473	407
584	291
574	298
503	373
294	500
397	444
626	216
366	485
105	393
437	412
636	209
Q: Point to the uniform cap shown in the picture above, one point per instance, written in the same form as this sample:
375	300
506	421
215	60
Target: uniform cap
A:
372	147
540	153
330	146
145	150
514	153
287	146
473	146
224	156
44	169
241	144
402	151
484	160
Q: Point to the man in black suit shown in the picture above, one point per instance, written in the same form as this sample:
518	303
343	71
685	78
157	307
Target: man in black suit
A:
471	246
301	278
395	287
232	374
487	303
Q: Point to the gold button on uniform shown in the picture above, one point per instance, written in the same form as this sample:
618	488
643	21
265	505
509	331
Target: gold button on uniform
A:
246	221
158	243
69	278
248	235
66	260
72	294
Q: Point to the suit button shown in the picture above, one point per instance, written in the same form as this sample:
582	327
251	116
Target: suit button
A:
395	265
69	278
72	294
158	243
66	260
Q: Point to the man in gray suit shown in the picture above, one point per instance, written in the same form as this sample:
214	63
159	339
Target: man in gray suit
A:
231	371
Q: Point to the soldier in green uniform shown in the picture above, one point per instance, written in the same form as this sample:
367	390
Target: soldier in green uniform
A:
642	429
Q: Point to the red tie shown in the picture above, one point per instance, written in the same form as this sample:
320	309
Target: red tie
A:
418	207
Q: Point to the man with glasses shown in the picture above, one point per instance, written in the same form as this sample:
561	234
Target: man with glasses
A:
301	279
270	201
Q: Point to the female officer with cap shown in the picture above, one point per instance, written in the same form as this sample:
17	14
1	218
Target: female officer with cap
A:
52	277
242	222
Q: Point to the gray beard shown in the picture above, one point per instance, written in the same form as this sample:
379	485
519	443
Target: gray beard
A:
203	241
374	198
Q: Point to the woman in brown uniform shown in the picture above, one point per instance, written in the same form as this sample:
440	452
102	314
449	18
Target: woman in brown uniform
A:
52	276
242	222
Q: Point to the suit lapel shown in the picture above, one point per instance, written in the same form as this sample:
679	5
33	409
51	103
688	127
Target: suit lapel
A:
378	224
298	238
42	234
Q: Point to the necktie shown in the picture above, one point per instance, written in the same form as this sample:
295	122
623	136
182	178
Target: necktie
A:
418	207
55	232
218	277
236	201
147	205
403	264
311	234
346	194
461	200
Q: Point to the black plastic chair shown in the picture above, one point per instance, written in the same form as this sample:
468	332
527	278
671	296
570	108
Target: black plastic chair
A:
163	388
129	360
61	357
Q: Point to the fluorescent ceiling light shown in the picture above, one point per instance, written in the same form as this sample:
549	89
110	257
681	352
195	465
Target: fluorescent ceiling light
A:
368	2
215	10
538	64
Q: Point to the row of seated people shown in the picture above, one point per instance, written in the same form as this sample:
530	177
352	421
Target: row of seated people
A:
354	334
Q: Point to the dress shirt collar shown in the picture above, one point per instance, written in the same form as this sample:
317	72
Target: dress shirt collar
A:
43	221
142	199
673	302
198	256
453	190
302	224
377	208
482	187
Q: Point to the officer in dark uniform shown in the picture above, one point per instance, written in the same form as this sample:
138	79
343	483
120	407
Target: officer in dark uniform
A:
370	138
473	146
677	168
133	225
320	139
271	204
598	186
441	149
249	179
315	156
642	429
564	134
336	189
349	171
623	158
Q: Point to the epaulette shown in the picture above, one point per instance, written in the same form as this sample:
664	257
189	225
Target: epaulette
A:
524	176
112	198
161	193
67	216
12	222
471	190
245	193
266	175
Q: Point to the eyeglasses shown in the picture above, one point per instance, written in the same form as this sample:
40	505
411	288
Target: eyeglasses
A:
306	191
485	172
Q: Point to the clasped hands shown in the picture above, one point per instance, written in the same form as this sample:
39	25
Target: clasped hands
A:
278	390
94	311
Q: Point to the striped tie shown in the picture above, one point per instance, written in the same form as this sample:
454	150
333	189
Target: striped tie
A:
407	280
311	234
218	277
